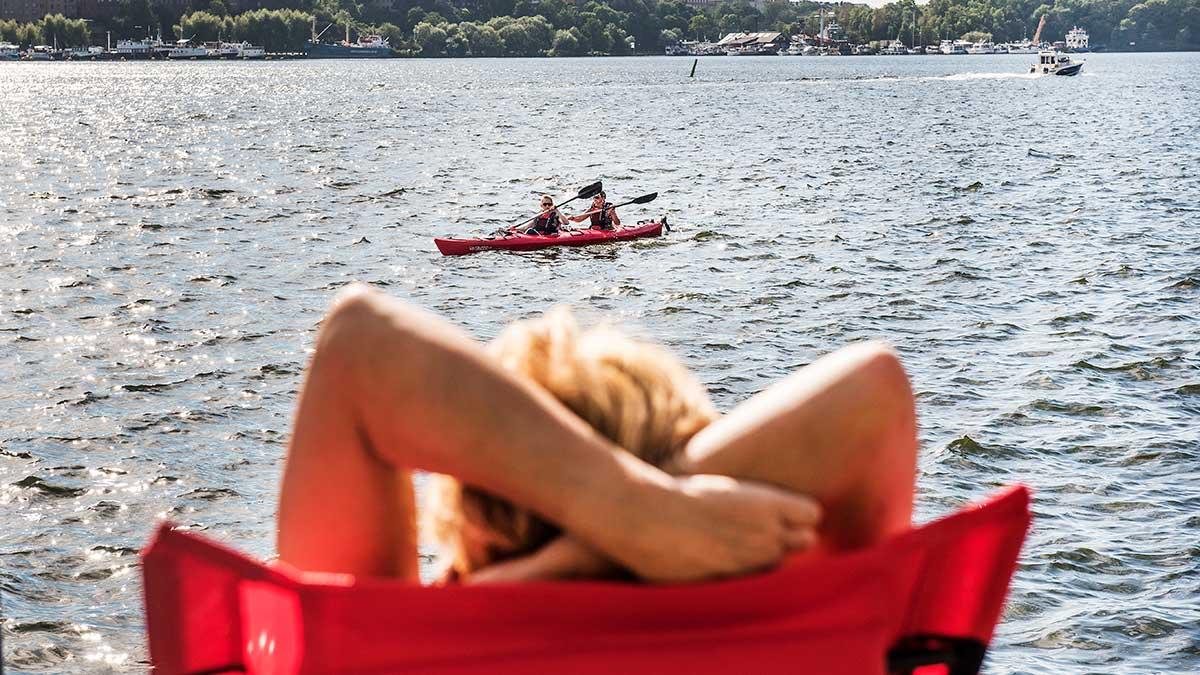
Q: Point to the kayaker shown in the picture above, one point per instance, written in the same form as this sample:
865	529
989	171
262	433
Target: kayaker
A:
580	453
602	214
549	221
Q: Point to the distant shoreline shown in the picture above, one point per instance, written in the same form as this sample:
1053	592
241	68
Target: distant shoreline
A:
682	57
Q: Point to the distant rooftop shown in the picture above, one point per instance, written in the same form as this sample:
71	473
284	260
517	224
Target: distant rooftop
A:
743	39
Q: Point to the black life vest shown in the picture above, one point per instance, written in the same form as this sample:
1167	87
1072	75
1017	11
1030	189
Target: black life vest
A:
602	220
546	223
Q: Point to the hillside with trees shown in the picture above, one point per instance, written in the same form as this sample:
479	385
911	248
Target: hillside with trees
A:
564	28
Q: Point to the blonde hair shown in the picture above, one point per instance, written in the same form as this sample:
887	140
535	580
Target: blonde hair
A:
633	393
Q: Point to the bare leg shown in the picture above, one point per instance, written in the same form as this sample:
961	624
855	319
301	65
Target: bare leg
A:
392	388
842	430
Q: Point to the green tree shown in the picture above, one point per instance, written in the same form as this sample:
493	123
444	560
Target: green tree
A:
205	27
66	32
566	43
430	38
487	43
620	40
976	36
700	27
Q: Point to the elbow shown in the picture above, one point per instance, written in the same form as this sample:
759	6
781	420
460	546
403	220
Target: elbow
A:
889	381
350	318
361	325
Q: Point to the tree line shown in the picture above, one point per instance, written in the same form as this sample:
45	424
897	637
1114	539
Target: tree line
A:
282	30
566	28
51	28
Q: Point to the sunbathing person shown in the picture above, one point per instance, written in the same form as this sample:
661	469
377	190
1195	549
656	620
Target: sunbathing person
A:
580	454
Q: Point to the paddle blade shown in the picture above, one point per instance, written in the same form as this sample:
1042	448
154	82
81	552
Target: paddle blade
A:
645	199
589	191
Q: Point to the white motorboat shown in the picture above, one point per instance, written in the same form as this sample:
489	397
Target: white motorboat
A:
221	50
184	49
133	49
40	53
249	51
1055	63
9	52
85	53
953	47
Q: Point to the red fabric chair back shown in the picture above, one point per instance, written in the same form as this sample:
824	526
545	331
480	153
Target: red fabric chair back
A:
924	602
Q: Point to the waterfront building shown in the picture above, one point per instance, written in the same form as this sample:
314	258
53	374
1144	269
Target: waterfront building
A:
752	44
102	10
27	11
1077	39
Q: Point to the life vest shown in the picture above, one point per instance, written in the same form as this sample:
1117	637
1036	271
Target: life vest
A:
603	219
546	223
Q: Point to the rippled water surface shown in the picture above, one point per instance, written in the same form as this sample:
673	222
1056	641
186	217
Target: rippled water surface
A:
171	234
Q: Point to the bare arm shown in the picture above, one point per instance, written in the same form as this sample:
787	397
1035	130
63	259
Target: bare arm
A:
842	430
409	391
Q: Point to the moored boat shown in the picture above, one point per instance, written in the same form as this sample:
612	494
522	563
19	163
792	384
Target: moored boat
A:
184	49
9	52
367	47
249	51
40	53
533	242
133	49
85	53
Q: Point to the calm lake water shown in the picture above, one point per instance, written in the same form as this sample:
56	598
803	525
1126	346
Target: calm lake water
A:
170	234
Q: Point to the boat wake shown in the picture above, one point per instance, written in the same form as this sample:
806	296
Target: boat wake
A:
962	77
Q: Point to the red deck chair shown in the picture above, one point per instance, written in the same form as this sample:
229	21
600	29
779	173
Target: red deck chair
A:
924	602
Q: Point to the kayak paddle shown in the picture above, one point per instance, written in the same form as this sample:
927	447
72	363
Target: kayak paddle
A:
644	199
586	192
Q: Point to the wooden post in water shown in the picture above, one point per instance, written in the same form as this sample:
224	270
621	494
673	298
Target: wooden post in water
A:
694	62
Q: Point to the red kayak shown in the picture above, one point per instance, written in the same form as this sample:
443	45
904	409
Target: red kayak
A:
532	242
929	596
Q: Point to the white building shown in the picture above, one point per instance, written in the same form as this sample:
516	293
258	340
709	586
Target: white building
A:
1077	39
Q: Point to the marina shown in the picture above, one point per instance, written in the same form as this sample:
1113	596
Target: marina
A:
146	49
829	41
